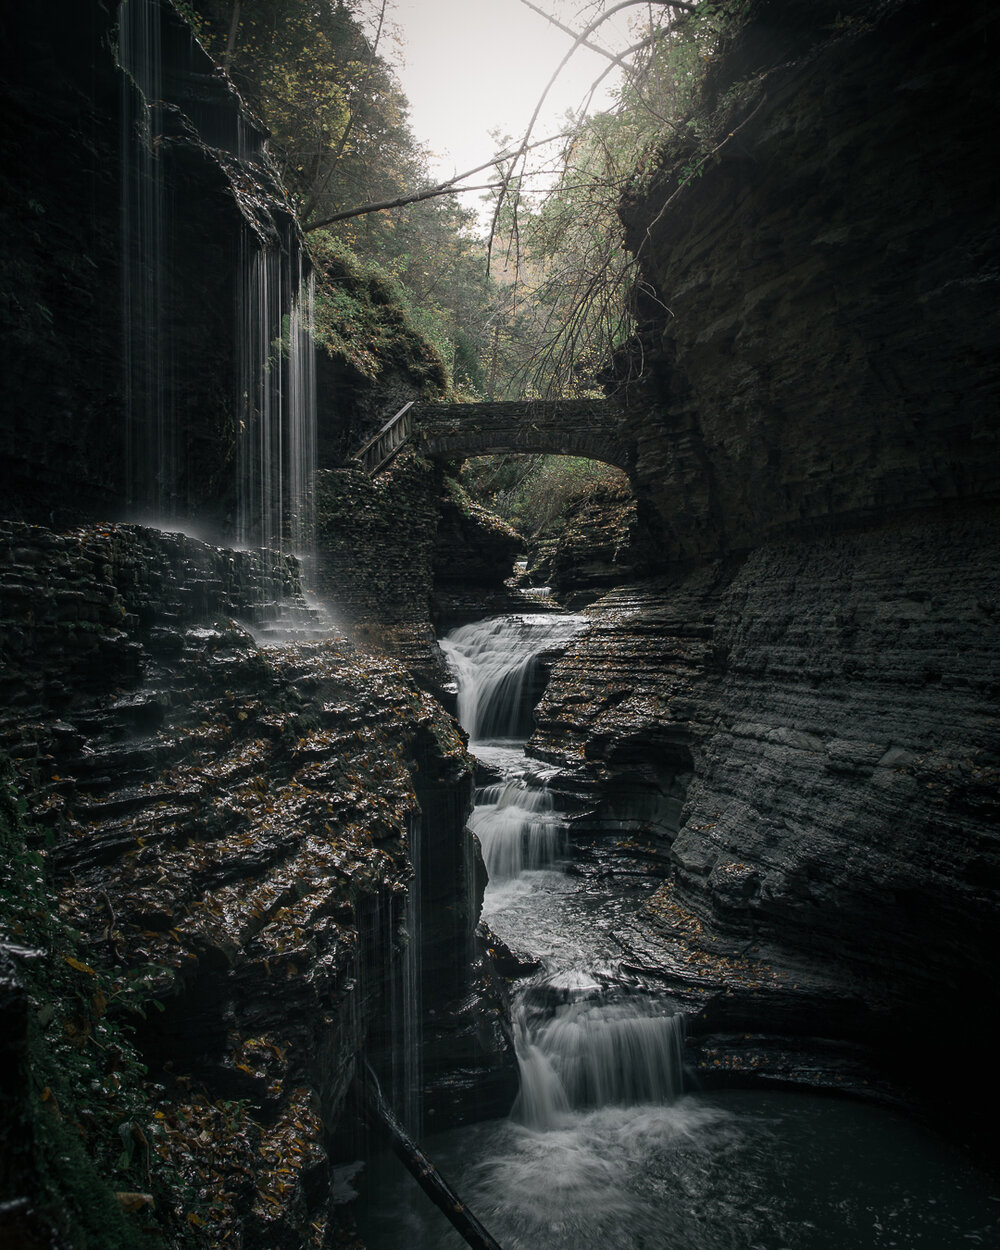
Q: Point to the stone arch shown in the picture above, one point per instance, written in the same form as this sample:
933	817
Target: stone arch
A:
586	428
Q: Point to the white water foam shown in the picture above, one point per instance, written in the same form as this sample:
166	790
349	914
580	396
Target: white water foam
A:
594	1053
494	661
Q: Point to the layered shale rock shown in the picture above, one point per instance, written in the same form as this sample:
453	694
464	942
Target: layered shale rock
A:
405	548
793	730
230	829
599	546
803	746
827	250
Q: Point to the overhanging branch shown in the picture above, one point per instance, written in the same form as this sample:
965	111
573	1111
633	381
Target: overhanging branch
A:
449	187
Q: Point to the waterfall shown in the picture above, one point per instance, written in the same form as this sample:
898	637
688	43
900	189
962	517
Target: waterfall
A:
596	1052
518	828
302	415
581	1041
150	431
495	662
276	435
603	1146
272	420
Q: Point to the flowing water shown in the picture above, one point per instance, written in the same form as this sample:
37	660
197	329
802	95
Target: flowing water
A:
606	1147
274	383
277	424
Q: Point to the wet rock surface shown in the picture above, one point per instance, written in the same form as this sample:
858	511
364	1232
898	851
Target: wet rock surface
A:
802	747
600	546
230	828
405	553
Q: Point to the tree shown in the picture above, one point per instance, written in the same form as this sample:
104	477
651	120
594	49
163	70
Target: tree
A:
554	300
567	241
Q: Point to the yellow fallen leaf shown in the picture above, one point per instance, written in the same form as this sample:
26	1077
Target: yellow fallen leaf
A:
75	963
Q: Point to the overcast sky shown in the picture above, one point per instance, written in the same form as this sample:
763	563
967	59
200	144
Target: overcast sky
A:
470	66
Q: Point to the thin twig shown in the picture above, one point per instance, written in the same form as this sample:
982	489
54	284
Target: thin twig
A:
697	169
525	141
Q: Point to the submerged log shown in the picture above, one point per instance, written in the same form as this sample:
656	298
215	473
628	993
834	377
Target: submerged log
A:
420	1167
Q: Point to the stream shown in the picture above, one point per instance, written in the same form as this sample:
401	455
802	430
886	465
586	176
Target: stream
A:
609	1144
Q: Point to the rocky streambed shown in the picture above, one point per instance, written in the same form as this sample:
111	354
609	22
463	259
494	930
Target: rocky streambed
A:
801	747
670	1064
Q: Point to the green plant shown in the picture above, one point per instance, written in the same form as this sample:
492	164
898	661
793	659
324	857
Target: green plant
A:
534	493
80	1108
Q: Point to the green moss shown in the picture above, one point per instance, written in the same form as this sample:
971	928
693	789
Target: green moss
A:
362	318
78	1108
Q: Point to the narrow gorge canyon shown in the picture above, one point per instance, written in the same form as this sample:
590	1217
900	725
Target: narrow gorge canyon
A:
289	756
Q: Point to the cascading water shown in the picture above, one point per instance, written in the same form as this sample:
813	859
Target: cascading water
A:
276	437
578	1044
273	421
495	662
595	1051
603	1149
150	433
518	828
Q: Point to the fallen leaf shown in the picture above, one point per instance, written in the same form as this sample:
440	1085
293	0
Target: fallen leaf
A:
75	963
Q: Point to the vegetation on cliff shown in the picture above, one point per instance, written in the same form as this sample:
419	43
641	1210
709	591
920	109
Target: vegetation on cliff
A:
71	1093
566	242
558	300
340	133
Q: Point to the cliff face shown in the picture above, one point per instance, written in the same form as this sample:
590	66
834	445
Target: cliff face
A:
142	216
804	745
232	831
795	729
831	277
404	549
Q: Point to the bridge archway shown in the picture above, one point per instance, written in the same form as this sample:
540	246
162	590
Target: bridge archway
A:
587	428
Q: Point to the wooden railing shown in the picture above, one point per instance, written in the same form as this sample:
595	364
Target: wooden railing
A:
378	451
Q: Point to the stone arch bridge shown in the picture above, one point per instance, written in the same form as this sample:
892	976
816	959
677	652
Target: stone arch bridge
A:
561	427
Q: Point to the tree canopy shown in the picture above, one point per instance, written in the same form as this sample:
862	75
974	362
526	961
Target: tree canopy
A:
539	305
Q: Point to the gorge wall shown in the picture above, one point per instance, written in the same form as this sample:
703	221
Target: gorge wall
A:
230	833
213	848
149	263
831	279
795	725
138	202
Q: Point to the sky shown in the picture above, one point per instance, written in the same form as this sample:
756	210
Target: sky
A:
470	66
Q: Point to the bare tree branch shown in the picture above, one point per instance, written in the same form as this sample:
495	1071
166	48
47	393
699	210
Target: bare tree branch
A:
695	171
616	58
578	41
449	187
568	30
